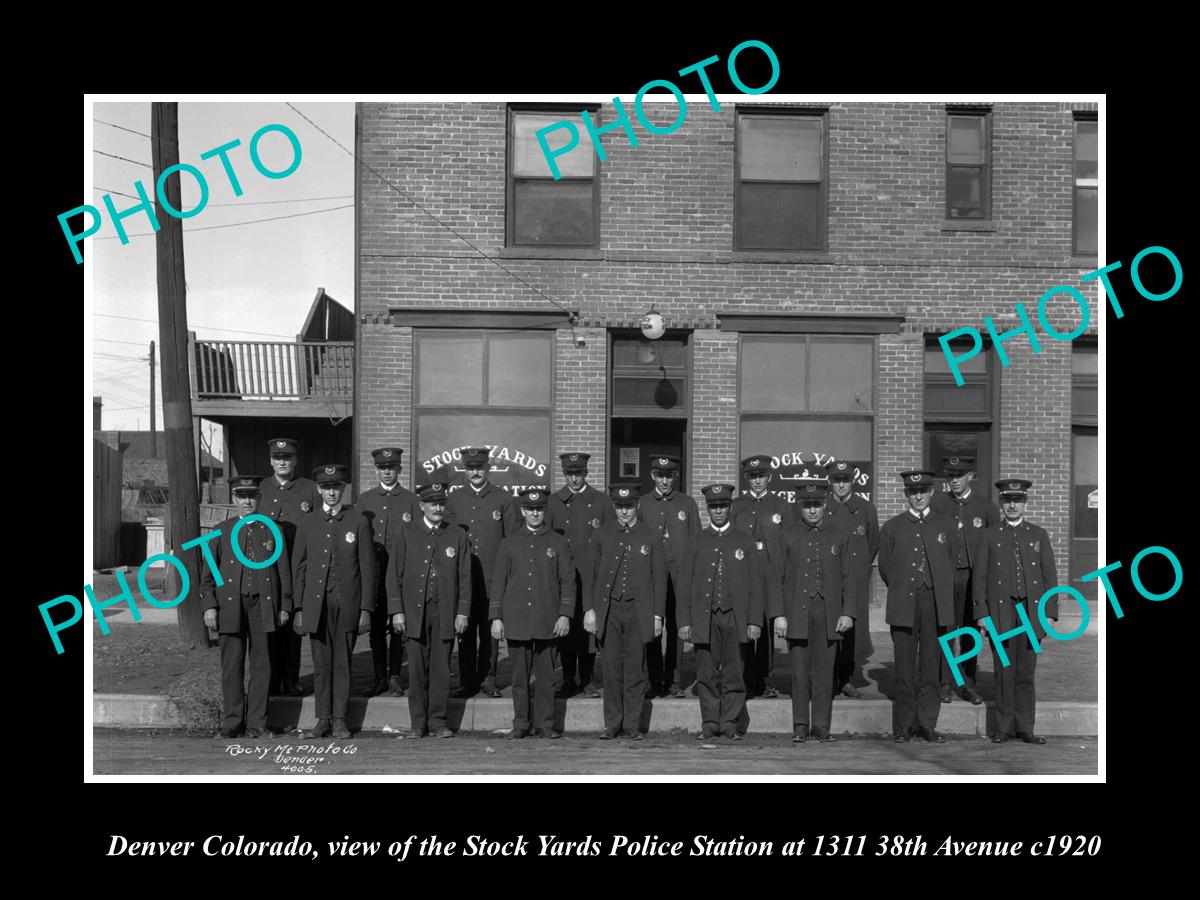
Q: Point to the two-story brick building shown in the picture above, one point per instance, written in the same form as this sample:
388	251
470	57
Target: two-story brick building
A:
804	258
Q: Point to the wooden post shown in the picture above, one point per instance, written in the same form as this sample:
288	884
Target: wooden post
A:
153	426
176	394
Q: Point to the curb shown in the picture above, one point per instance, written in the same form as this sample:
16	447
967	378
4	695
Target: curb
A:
587	715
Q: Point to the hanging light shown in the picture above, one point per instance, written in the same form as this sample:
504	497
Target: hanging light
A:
653	326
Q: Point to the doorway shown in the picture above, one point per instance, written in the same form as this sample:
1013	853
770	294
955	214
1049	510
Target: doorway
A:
635	441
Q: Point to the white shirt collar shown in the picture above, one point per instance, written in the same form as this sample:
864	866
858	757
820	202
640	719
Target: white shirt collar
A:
1014	524
923	514
389	488
580	491
429	525
332	510
720	530
757	495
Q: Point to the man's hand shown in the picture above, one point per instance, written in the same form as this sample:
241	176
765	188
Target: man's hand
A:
658	626
781	626
753	632
844	624
297	623
460	624
284	615
685	634
562	625
982	629
589	621
210	618
498	629
364	622
398	623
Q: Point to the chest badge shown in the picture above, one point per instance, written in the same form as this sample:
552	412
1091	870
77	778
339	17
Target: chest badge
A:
1037	546
305	506
834	550
977	522
596	523
682	516
645	549
550	552
941	537
407	517
738	554
450	552
350	537
269	545
496	514
777	519
860	530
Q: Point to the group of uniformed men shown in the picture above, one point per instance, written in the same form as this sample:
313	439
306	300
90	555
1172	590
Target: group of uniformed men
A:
575	572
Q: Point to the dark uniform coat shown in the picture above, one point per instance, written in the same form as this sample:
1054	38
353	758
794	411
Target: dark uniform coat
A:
858	519
647	573
900	542
318	542
677	521
534	584
802	546
994	579
487	517
273	585
765	518
577	517
287	504
413	553
971	517
387	511
746	571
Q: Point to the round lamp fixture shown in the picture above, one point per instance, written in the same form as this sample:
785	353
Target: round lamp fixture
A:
653	326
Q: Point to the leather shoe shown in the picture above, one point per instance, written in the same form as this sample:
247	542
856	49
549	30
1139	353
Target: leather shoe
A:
321	729
340	731
769	693
801	734
518	733
822	734
569	688
901	737
416	733
676	691
443	732
946	695
394	687
706	734
230	732
971	696
1000	738
465	693
490	690
734	735
932	736
1030	738
634	736
381	687
294	691
610	734
849	690
259	733
549	734
591	691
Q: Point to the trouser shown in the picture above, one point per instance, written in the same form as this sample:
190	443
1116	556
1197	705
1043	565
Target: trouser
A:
331	652
725	654
387	647
624	652
662	655
429	672
760	659
577	648
536	656
233	672
285	646
917	700
854	649
812	670
964	615
478	651
1016	699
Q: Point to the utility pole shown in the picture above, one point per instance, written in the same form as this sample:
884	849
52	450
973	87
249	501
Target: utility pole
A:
153	427
176	392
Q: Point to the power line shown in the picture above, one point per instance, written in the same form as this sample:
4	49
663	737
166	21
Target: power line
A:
242	203
115	341
122	127
209	327
113	356
235	224
127	408
125	159
570	315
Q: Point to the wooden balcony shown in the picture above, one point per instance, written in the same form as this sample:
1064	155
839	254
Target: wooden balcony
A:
271	378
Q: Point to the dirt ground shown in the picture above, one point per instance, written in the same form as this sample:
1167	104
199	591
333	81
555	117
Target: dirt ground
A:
138	752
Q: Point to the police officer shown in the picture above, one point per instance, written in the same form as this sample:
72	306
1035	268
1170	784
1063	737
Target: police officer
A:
916	565
333	574
818	578
765	515
858	519
429	599
1014	566
625	608
488	515
287	498
246	608
676	518
972	512
387	507
532	603
721	602
577	512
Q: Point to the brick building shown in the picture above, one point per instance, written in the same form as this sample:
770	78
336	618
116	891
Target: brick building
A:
804	259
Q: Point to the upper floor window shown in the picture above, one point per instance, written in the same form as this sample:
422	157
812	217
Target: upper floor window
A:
1086	212
782	182
543	212
968	164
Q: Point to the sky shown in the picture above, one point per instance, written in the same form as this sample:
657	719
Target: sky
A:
245	282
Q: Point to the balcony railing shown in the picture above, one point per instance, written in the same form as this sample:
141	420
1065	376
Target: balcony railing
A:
273	370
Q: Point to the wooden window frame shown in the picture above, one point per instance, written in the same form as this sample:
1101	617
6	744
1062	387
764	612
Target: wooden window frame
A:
1076	187
985	167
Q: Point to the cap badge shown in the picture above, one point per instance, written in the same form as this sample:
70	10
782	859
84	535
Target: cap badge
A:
811	488
534	495
954	460
574	457
755	463
281	443
915	477
387	452
718	489
662	461
623	492
329	470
